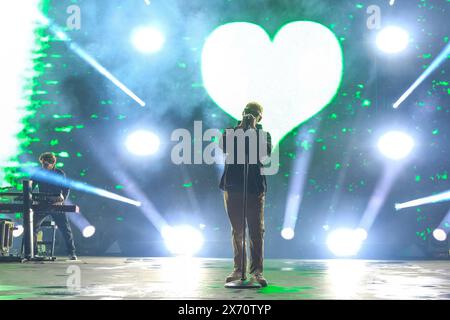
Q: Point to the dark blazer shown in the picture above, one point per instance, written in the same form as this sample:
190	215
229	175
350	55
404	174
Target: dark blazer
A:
233	175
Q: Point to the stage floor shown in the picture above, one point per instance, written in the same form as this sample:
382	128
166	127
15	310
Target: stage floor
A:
178	278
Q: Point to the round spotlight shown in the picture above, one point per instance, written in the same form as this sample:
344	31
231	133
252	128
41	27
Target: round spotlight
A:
147	39
395	145
182	240
287	233
143	143
361	234
392	39
88	231
344	242
439	234
18	231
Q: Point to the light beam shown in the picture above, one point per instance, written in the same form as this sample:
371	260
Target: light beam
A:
433	66
87	58
441	197
57	179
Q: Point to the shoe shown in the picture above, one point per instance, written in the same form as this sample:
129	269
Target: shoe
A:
235	275
258	277
73	257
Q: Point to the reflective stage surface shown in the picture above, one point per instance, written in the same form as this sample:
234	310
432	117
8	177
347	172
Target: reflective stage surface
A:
183	278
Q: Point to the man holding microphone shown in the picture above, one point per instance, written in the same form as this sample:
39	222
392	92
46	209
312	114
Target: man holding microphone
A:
233	185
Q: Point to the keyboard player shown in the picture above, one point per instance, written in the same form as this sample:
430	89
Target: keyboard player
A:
48	162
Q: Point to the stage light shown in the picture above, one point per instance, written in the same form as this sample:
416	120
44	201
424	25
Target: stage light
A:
379	195
143	143
297	181
433	66
88	231
287	233
147	208
147	39
440	197
182	240
344	242
80	221
392	39
18	231
395	145
439	234
361	234
60	34
57	179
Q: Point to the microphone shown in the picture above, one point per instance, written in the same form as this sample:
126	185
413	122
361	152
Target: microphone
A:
247	120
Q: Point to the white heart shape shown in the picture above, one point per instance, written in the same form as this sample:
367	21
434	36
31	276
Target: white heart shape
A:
293	77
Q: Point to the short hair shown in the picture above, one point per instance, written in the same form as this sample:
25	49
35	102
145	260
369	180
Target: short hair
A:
255	106
48	157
